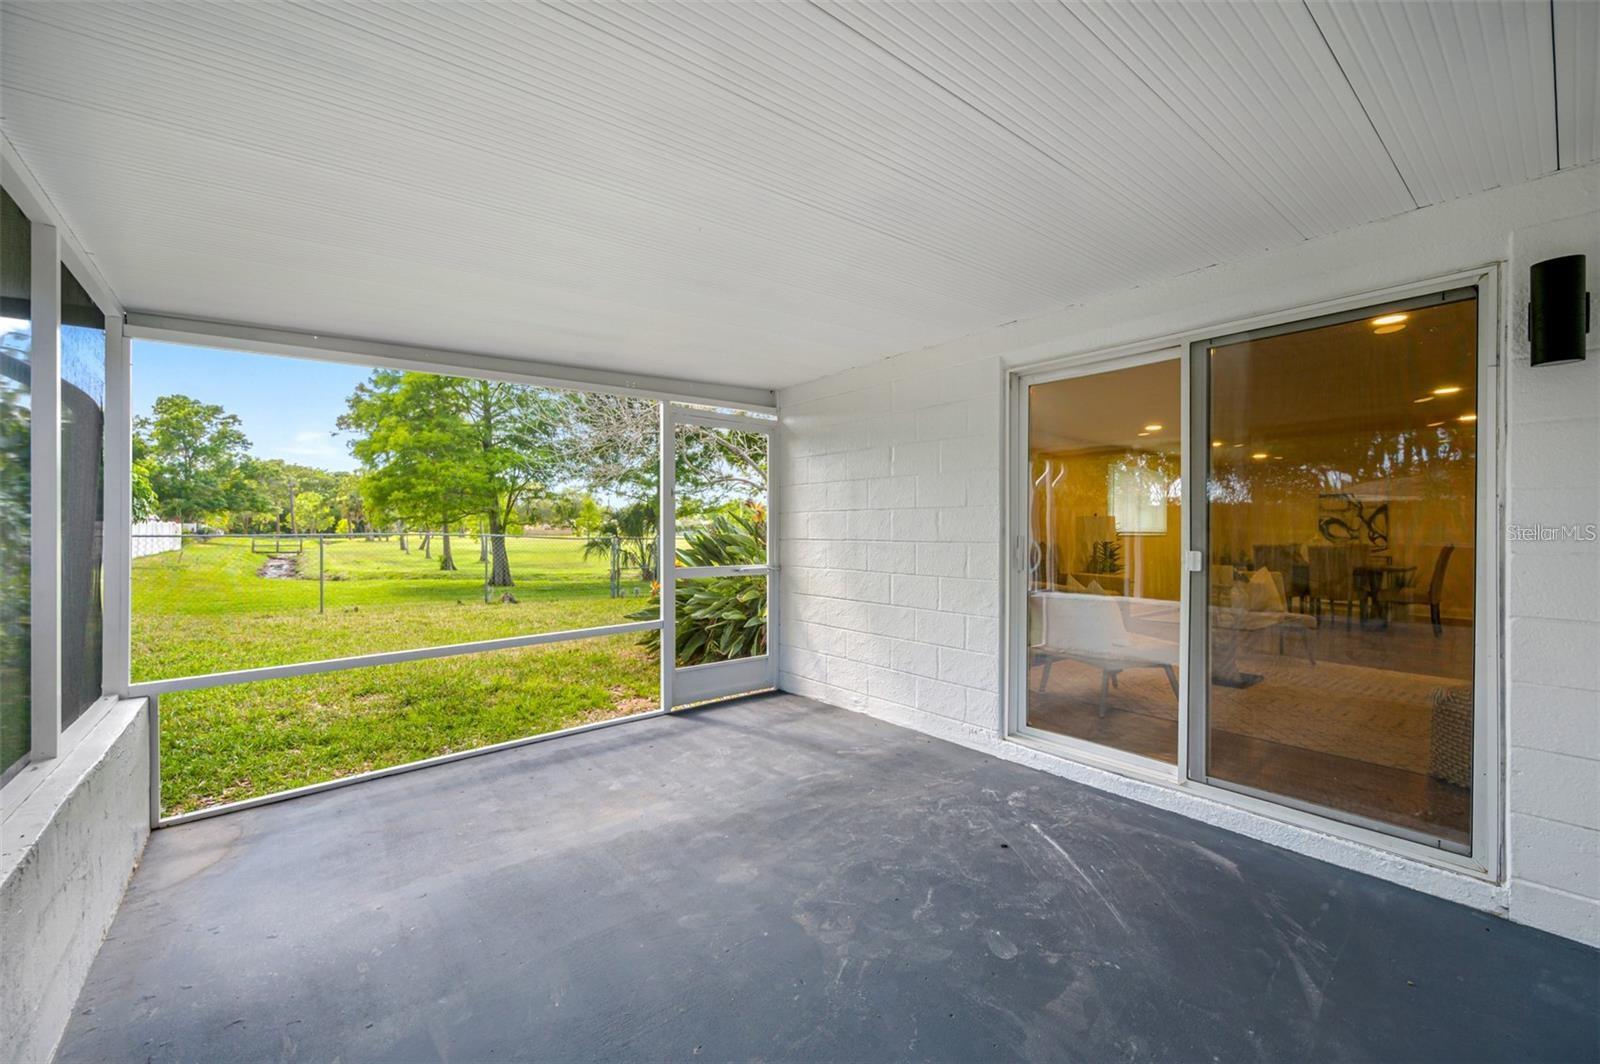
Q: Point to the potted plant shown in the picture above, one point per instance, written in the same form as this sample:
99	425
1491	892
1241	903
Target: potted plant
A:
1105	556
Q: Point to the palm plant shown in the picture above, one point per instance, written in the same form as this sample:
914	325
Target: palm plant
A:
725	617
632	531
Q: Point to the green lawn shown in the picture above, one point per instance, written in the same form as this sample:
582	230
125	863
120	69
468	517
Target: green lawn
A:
208	609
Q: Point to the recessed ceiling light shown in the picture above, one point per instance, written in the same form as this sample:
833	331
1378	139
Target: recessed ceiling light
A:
1467	417
1448	389
1385	330
1424	399
1144	434
1277	458
1390	319
1216	443
1152	428
1435	424
1259	455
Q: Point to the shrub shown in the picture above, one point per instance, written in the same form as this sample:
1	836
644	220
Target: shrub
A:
725	617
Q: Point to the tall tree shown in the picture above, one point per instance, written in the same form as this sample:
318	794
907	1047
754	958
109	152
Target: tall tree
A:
195	454
607	444
440	449
410	433
516	457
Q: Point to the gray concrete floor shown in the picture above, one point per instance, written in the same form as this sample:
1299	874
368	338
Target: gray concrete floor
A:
775	879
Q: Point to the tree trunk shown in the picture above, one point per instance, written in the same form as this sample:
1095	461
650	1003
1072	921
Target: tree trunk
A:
427	544
404	547
483	544
447	561
500	566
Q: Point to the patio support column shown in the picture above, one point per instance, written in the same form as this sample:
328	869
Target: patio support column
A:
45	487
666	540
117	542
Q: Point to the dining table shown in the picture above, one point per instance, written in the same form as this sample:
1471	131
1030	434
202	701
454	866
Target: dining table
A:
1376	577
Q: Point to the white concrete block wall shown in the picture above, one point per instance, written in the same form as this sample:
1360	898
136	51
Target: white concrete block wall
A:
891	524
68	848
1553	610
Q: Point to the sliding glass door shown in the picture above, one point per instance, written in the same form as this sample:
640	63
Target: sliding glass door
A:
1339	537
1104	582
1256	564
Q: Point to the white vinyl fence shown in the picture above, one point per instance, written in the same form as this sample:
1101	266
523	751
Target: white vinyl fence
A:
156	537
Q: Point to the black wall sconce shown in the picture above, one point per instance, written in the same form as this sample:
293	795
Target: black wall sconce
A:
1558	311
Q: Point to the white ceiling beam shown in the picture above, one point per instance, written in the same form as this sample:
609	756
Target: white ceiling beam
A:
143	325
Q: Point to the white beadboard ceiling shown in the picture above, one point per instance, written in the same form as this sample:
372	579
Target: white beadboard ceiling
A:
757	194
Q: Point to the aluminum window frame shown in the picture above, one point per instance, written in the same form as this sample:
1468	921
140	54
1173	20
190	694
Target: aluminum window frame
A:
1015	694
1486	861
56	246
1487	548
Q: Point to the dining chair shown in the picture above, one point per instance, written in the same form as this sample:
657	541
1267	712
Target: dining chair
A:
1332	577
1416	595
1284	559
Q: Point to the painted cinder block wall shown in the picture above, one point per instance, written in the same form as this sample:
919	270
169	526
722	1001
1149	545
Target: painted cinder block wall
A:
891	522
69	849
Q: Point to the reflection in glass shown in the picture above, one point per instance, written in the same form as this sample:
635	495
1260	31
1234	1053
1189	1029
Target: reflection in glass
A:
1105	514
16	503
1340	612
83	452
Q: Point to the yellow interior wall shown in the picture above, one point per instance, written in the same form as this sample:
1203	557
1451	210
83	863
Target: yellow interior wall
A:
1417	529
1152	564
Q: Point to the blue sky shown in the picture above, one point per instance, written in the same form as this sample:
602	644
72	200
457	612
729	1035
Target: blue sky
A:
289	406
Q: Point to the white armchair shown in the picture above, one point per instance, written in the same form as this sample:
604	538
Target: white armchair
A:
1091	629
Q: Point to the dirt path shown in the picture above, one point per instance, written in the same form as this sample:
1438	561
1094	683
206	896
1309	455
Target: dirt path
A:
280	567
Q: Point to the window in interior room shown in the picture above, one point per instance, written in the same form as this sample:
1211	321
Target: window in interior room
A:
16	504
83	393
1137	493
1106	577
1342	515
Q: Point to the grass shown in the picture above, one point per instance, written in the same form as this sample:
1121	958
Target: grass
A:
208	609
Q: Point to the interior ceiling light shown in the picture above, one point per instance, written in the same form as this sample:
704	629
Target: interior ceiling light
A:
1216	443
1390	319
1435	424
1385	330
1467	417
1152	428
1448	389
1424	399
1144	434
1259	455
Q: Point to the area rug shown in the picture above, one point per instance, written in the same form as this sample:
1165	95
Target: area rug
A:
1374	715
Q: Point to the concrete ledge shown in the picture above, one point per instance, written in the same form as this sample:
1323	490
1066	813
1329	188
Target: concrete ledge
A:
67	850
